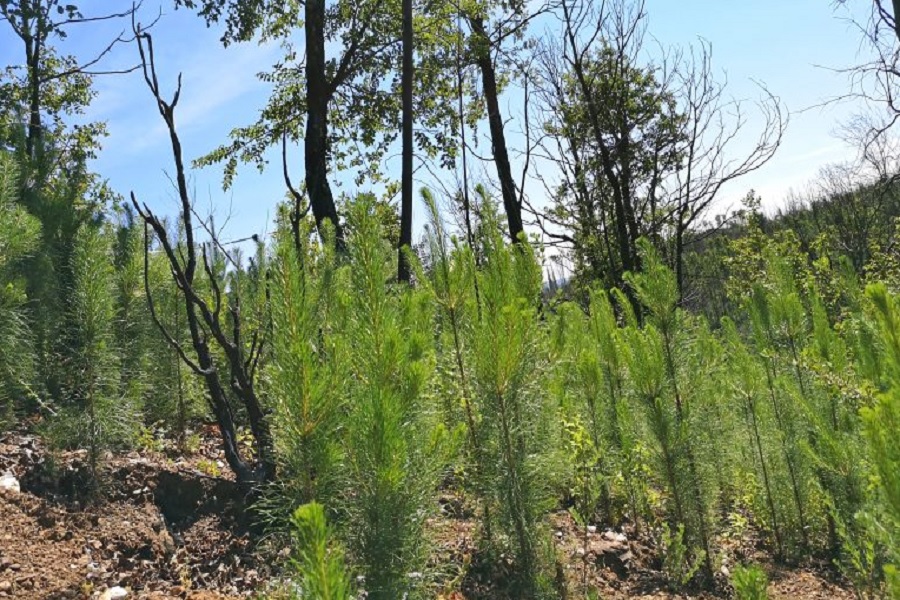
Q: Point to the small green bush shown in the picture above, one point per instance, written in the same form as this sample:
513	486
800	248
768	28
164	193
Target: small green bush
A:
750	583
321	573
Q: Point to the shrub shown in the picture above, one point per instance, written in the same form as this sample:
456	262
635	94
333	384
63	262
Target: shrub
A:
750	583
317	562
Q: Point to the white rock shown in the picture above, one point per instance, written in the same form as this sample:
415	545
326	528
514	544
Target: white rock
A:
114	593
592	528
612	536
9	482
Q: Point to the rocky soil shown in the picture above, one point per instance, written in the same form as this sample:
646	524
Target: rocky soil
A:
157	529
163	526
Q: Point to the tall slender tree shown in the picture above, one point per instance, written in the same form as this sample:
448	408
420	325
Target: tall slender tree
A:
406	203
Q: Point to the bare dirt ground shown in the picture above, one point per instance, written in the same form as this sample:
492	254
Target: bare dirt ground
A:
164	528
161	528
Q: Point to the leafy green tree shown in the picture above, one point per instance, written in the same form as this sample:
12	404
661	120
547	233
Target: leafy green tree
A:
344	106
615	160
644	146
44	103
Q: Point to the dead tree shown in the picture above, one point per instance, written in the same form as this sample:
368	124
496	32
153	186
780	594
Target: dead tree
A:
216	328
710	128
875	83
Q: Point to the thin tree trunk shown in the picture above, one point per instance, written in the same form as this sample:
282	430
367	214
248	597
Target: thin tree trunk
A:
679	259
776	530
896	4
33	60
498	139
406	198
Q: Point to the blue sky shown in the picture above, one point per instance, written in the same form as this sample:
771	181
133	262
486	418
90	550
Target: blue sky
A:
791	45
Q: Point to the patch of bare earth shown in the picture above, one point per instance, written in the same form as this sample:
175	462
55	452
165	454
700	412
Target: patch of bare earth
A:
163	529
616	564
158	530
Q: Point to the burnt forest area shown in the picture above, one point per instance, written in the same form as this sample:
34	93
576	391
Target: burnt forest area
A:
498	316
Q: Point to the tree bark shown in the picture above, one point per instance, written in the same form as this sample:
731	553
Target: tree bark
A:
406	198
318	95
511	203
33	59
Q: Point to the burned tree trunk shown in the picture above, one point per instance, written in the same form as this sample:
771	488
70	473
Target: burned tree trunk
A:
207	326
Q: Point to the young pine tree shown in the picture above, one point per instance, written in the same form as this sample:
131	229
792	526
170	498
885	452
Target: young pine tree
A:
509	357
450	279
880	425
669	366
389	444
748	384
318	563
18	238
770	323
96	416
305	374
133	329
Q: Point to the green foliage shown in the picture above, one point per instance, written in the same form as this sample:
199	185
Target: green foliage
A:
592	381
391	442
780	413
880	426
362	90
636	98
680	562
173	394
319	565
509	363
96	416
18	238
750	583
585	456
449	278
41	108
305	374
750	393
672	358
